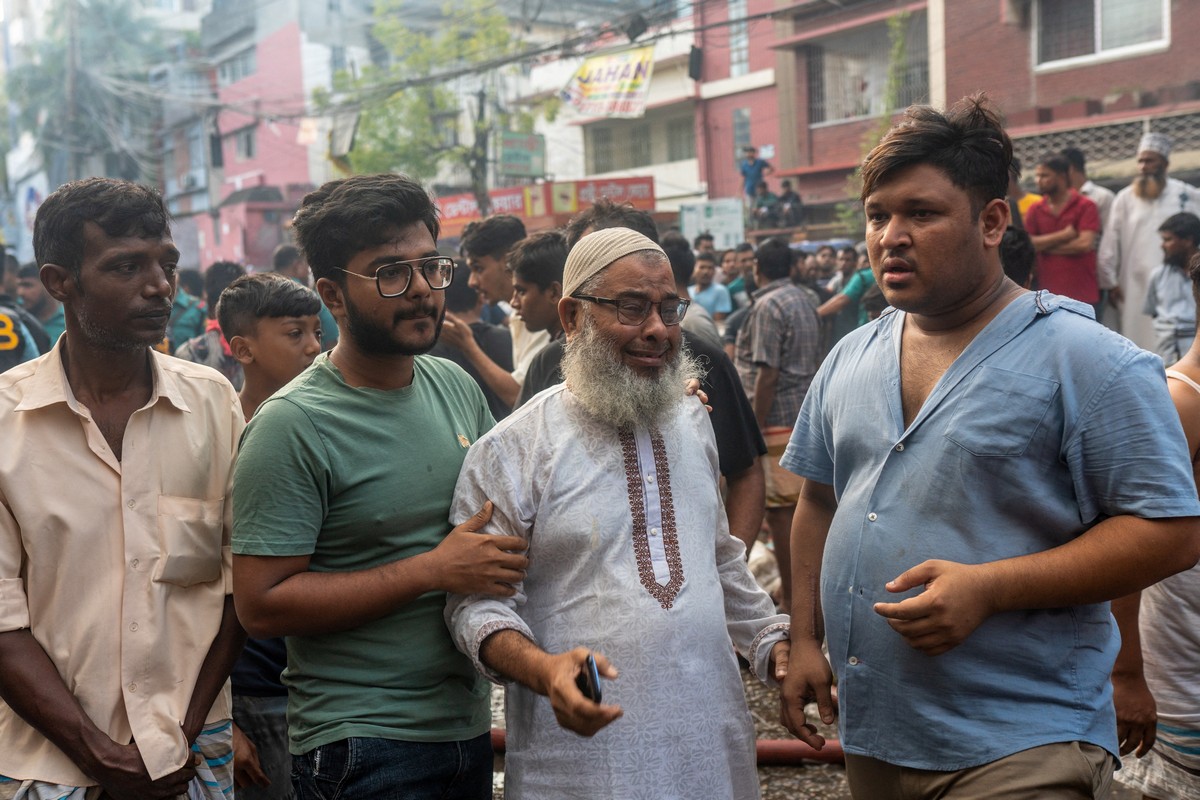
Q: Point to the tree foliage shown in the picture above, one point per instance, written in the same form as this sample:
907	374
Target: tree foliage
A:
417	130
109	117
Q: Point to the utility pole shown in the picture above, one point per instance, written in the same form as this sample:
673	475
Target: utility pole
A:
69	138
479	156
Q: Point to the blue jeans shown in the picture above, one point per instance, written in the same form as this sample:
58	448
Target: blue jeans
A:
383	769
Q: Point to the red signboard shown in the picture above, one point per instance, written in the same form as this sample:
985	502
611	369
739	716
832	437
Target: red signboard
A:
546	200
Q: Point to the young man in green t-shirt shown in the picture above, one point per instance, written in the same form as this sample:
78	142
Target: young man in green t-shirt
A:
341	500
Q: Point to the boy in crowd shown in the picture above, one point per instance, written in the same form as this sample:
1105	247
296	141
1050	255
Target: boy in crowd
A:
535	266
273	327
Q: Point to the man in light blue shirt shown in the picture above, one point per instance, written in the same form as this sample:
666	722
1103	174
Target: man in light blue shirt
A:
707	293
1169	297
984	469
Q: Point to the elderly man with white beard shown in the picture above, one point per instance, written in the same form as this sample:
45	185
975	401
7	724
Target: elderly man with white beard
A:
1129	250
612	478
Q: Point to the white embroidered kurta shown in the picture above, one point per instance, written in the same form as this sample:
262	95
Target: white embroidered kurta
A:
630	555
1131	249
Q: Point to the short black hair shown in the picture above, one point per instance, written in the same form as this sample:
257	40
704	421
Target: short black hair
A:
492	237
774	259
1075	158
27	271
460	296
703	236
825	247
604	213
744	247
1017	255
709	257
219	275
967	143
345	217
263	295
284	256
873	300
191	281
539	258
683	260
120	208
1055	162
1184	225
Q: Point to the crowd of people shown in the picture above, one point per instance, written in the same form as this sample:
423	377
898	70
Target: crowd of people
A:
543	459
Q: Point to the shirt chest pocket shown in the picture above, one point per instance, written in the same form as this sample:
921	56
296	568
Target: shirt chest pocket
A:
189	538
1000	411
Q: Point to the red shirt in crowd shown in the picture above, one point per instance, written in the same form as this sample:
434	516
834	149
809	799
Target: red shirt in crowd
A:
1072	276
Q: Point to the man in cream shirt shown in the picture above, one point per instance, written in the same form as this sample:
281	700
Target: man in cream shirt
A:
117	630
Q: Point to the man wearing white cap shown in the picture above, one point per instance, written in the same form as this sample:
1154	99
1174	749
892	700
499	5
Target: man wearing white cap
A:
612	479
1129	250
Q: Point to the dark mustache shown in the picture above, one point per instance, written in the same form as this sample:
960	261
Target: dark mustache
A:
426	310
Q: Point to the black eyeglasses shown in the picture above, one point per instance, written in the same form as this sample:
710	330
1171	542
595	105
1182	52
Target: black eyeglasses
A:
393	280
634	310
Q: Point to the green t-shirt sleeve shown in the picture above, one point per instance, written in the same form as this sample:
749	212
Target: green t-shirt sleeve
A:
858	284
281	483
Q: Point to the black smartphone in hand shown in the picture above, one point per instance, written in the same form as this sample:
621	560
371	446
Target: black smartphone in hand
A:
588	680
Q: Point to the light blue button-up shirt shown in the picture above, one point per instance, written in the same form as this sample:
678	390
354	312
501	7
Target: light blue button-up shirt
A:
1046	424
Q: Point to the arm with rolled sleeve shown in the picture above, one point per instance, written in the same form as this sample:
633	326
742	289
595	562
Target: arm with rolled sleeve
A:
488	475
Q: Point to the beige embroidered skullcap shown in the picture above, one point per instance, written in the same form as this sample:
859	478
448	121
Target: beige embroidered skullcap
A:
599	249
1156	143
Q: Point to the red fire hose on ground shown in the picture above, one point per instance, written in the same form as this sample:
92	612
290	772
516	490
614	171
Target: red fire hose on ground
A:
771	752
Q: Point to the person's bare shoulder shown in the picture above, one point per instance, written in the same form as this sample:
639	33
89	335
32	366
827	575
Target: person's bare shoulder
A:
1187	401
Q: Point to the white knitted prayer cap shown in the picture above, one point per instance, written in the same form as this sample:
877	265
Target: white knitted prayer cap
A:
1156	143
598	250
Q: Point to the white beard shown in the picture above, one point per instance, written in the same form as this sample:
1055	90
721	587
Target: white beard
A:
616	394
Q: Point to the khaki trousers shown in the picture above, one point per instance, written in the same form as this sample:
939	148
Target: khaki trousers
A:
1063	771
